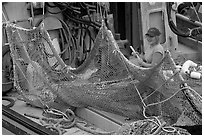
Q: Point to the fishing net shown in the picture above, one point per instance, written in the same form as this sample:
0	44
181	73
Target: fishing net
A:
150	126
106	80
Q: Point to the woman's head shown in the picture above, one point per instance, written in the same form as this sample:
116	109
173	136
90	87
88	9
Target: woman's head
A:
152	36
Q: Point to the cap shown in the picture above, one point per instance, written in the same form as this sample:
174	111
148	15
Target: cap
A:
152	32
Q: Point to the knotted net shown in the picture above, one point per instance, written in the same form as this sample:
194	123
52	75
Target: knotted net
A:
106	80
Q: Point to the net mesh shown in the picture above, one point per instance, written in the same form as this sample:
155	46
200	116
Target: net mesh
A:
150	127
106	80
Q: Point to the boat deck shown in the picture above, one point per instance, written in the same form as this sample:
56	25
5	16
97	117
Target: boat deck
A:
21	108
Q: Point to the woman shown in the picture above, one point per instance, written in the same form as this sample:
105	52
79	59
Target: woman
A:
154	52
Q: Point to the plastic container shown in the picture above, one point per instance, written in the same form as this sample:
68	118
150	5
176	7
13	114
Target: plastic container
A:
195	75
186	65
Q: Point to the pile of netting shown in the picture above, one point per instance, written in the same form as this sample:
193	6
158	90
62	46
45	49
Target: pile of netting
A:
150	126
106	80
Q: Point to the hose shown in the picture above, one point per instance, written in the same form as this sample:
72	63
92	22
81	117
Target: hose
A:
191	33
171	23
11	101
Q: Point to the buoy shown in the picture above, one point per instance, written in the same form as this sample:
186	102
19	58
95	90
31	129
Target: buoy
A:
186	65
195	75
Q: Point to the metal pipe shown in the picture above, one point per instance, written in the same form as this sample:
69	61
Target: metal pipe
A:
188	20
17	21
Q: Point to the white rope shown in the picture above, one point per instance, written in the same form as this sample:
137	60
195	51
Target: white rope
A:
43	12
97	12
159	124
4	16
101	14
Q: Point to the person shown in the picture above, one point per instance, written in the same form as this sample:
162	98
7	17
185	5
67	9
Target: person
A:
154	52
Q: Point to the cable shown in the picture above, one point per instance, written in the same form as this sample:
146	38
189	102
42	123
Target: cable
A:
161	85
11	101
71	15
171	23
174	28
157	103
51	6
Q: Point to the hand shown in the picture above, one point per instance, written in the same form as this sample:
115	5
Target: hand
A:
140	61
135	54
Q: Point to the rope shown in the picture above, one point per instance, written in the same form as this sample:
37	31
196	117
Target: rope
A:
101	14
4	16
116	51
135	85
32	15
43	18
157	103
161	85
11	101
43	8
161	126
97	11
60	124
195	12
